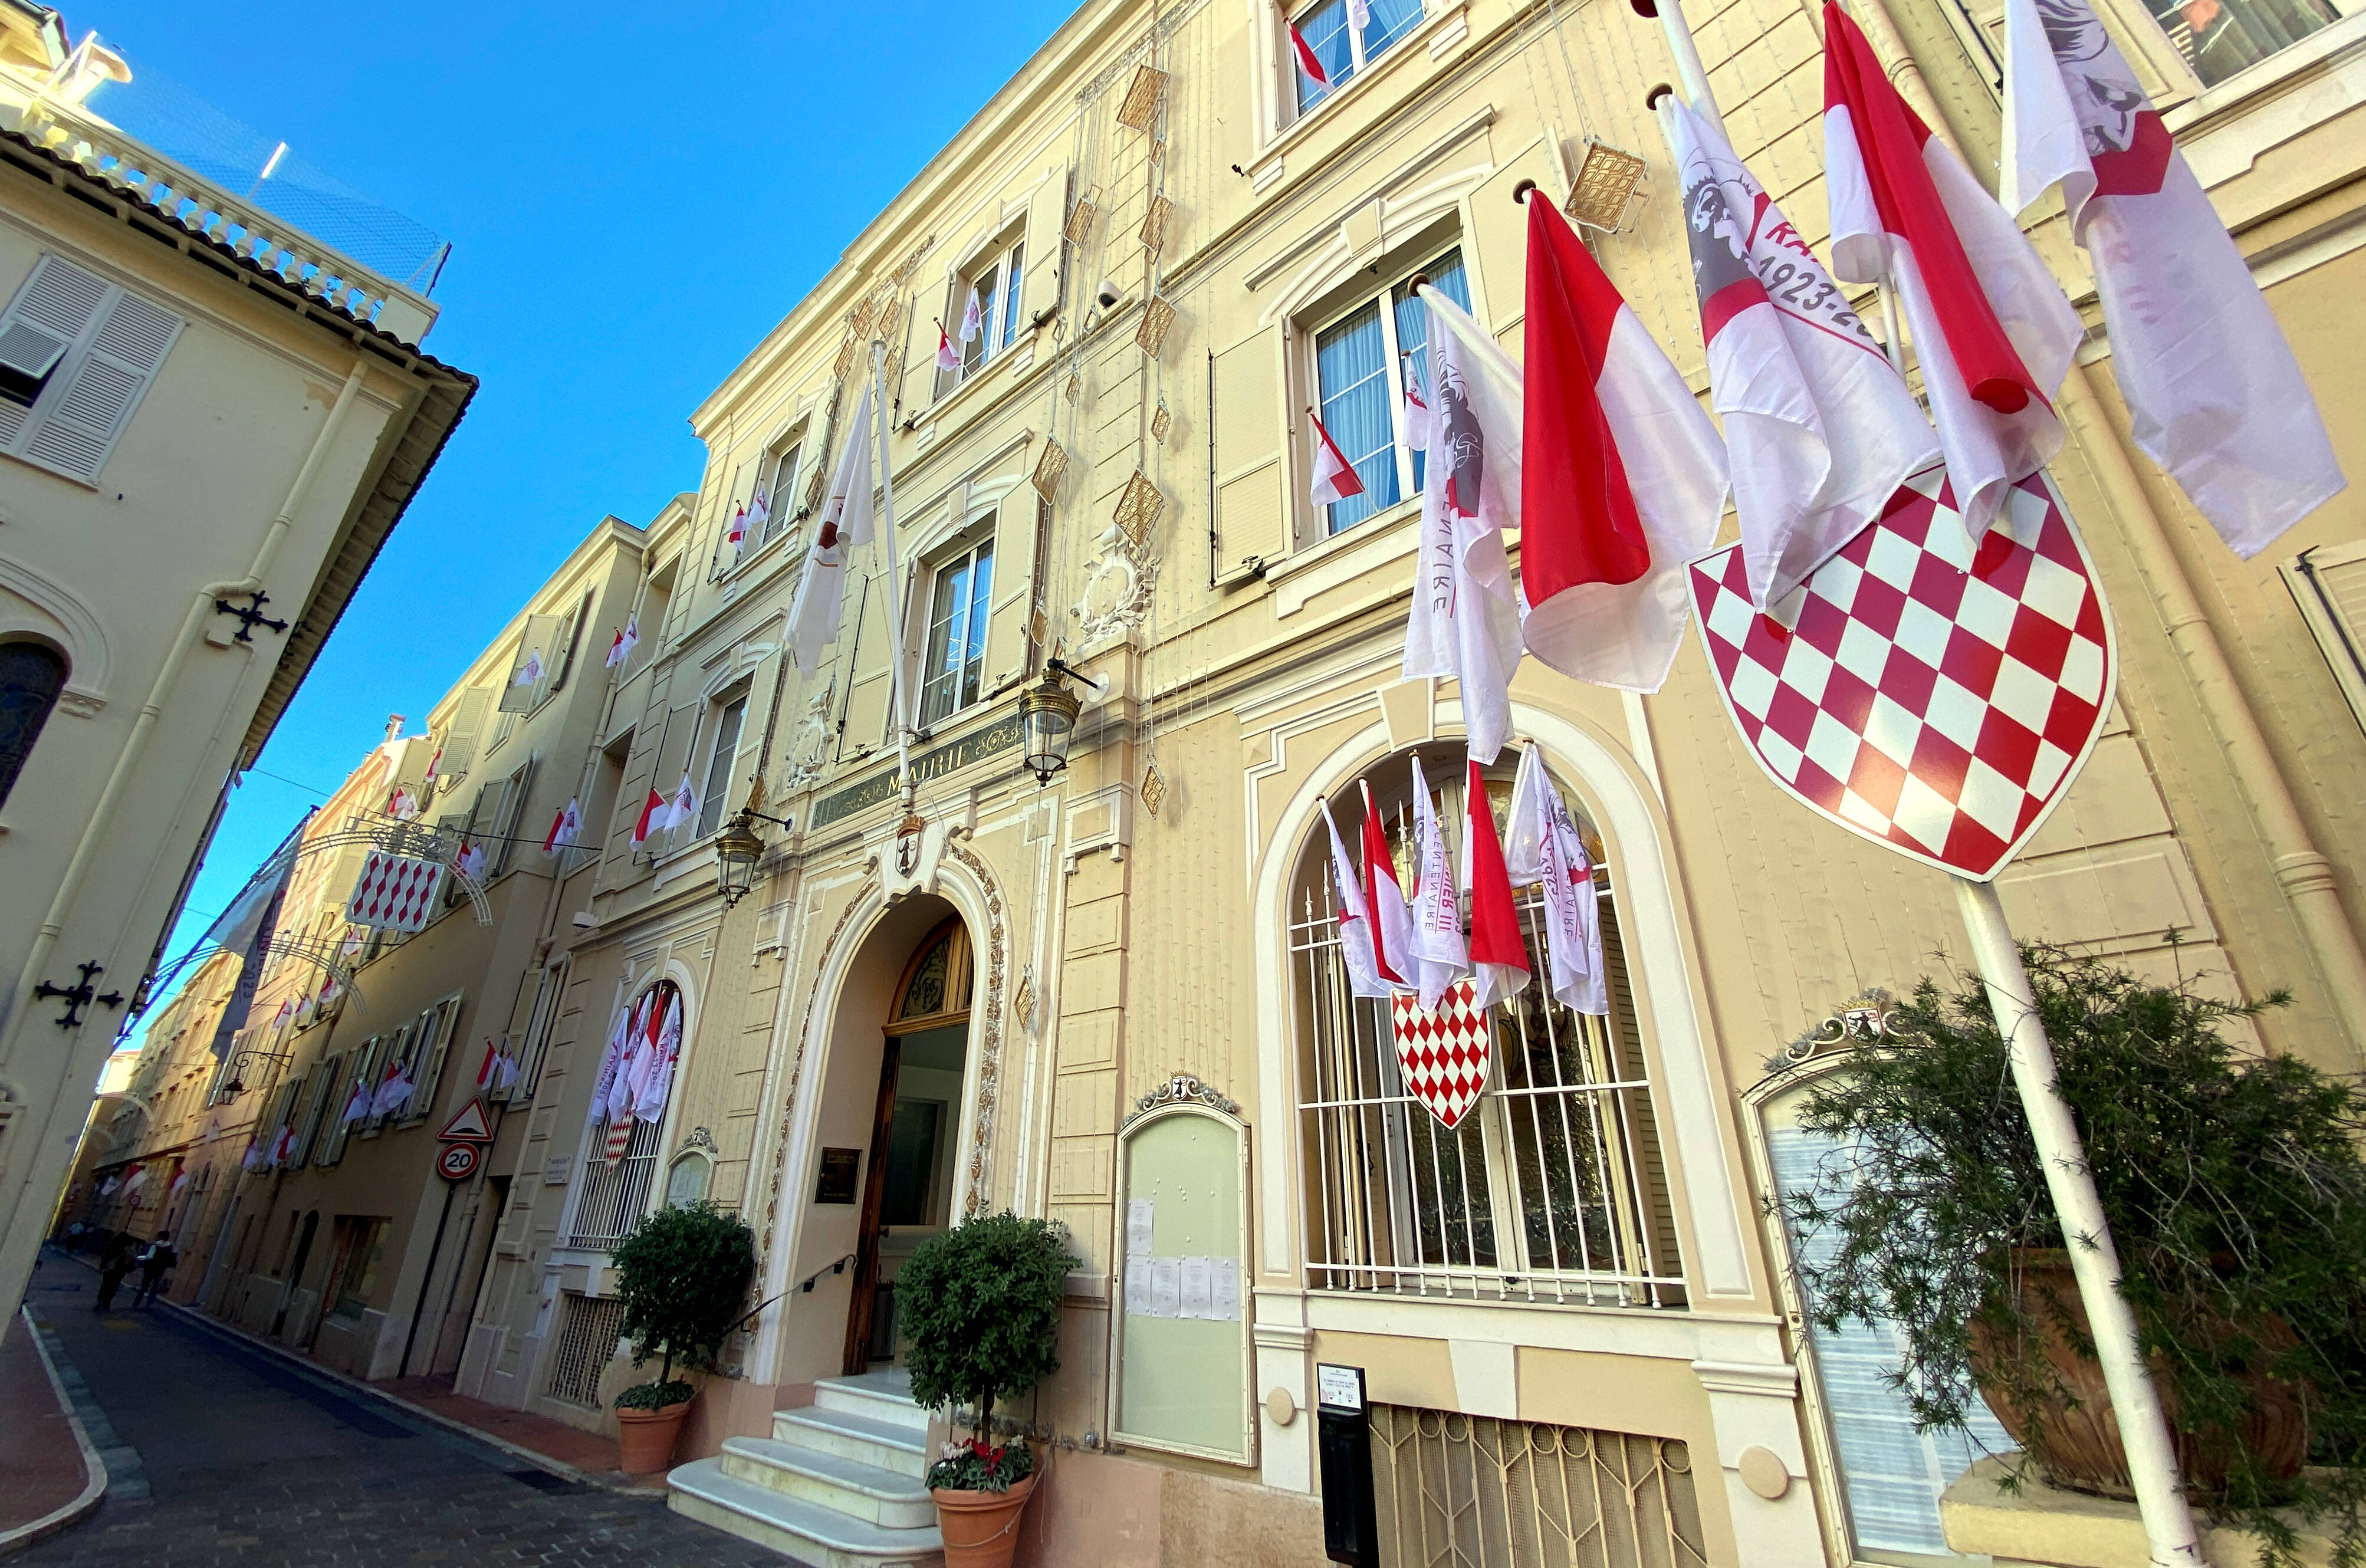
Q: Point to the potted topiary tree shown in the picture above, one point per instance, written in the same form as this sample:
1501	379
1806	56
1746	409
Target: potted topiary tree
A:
982	1305
2236	1199
684	1275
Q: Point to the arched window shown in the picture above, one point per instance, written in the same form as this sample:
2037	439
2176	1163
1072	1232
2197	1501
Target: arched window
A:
1551	1187
32	676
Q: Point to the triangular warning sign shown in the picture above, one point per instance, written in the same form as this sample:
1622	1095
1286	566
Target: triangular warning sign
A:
470	1126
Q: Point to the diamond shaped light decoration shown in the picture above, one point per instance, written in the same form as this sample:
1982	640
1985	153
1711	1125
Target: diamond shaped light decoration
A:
1153	789
1138	507
1049	468
1156	317
1161	423
1605	184
1140	105
1154	223
1080	220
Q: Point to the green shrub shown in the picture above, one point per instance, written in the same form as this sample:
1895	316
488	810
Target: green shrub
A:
656	1395
2232	1184
683	1274
981	1305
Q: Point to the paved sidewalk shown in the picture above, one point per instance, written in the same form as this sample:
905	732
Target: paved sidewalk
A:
45	1470
256	1463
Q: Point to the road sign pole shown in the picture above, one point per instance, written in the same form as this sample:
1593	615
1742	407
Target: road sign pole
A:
2168	1528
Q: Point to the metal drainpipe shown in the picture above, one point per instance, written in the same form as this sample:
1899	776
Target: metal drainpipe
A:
193	628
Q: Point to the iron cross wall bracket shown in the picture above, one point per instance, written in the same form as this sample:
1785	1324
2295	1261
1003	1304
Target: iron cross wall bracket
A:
250	617
79	997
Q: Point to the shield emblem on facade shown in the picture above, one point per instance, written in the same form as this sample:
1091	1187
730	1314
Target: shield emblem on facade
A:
1444	1056
1932	694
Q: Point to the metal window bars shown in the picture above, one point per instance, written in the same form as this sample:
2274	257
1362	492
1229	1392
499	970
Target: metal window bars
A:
586	1343
1551	1191
615	1196
1457	1491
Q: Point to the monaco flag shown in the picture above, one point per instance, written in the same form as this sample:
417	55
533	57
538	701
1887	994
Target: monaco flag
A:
620	1037
1543	845
1335	478
625	642
1439	956
1499	956
1991	326
655	1080
1623	476
948	357
759	511
1307	61
973	317
1819	429
846	520
1354	918
1384	897
2213	392
1466	616
564	829
650	821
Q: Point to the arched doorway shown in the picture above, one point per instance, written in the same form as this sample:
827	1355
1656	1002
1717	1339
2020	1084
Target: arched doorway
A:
908	1171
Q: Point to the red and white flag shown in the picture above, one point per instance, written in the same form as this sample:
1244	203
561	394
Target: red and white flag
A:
357	1104
948	357
738	533
1438	955
1544	845
1623	477
1354	919
1418	423
435	761
180	1179
1384	897
133	1178
529	671
565	828
287	1011
1819	429
1306	59
631	1062
650	818
1991	326
655	1079
471	860
973	323
253	1158
394	1091
682	810
2214	393
402	808
759	511
1499	954
611	1061
1466	616
1335	478
283	1148
621	649
846	521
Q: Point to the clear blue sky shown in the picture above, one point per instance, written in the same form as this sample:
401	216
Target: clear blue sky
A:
634	195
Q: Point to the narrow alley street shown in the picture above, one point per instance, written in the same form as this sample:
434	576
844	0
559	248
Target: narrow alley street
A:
248	1460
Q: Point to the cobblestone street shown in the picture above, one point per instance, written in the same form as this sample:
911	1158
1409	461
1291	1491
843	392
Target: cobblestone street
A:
244	1459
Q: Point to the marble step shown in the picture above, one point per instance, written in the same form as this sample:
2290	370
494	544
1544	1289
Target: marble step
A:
884	1497
810	1533
888	1445
884	1396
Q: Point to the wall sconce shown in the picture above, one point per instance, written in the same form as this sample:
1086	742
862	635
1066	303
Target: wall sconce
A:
1047	715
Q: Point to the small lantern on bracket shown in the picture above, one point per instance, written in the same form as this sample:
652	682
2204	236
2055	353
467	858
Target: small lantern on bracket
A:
1047	715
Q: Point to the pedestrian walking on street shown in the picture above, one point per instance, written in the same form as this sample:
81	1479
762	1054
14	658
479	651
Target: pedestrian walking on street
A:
113	1264
155	1265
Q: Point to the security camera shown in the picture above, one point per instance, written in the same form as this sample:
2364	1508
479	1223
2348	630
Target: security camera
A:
1109	294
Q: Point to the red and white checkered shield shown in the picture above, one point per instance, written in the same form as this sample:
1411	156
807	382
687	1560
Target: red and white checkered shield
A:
396	892
1444	1056
1931	695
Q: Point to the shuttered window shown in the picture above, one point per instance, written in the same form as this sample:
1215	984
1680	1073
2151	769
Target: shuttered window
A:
2328	583
77	354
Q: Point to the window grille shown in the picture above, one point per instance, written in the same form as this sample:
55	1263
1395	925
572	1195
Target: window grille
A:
615	1196
586	1343
1457	1491
1551	1191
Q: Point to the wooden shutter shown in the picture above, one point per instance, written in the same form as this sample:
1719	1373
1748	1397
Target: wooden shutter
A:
74	434
1047	213
1016	529
2330	585
571	634
682	728
1246	428
541	638
508	813
435	1025
324	1085
51	313
460	740
956	299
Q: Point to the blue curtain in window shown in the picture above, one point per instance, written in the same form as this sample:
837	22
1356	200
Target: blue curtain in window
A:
1392	19
1351	362
1010	297
1446	275
1325	28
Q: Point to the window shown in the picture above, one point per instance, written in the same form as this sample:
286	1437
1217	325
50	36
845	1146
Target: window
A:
1551	1190
1342	47
997	278
2219	38
2327	582
720	763
1362	364
77	354
779	483
957	616
32	676
364	1245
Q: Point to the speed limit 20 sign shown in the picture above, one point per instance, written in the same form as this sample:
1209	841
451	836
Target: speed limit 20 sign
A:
457	1162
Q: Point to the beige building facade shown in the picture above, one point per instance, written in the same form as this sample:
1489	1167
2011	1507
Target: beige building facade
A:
189	428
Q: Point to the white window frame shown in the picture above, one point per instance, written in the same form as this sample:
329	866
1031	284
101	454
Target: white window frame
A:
998	316
979	536
712	798
106	346
779	499
1385	298
1293	104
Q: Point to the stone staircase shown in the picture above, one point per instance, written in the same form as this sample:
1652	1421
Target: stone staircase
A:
835	1485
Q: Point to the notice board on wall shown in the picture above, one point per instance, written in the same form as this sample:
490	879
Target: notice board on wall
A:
1180	1327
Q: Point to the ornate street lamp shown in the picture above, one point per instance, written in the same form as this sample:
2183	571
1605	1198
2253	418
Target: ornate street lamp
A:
1047	716
738	849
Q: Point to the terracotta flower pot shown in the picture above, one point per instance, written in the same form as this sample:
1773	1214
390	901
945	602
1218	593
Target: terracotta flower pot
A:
647	1437
981	1528
2076	1440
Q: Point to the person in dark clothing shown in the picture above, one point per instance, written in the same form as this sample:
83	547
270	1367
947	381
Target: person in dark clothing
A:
155	1263
113	1264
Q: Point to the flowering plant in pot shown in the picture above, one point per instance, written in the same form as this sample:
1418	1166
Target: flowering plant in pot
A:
2237	1198
684	1275
981	1305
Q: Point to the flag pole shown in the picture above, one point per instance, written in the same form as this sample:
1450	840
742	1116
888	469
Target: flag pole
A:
2170	1534
900	699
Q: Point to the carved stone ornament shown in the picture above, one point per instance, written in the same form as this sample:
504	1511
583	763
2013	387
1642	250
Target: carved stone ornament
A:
809	749
1180	1089
700	1138
1866	1019
1118	585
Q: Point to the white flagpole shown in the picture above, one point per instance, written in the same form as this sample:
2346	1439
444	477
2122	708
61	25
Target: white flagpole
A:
2144	1429
2170	1534
899	699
